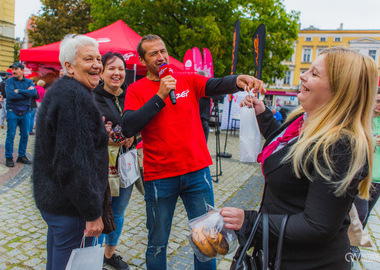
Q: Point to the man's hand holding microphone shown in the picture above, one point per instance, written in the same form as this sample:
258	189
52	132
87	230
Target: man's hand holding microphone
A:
168	83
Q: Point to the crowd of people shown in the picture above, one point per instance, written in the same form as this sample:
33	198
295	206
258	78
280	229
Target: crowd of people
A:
314	164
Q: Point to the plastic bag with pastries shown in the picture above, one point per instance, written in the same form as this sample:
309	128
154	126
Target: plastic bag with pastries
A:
209	237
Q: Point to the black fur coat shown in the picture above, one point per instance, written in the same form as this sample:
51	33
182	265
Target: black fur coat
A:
70	170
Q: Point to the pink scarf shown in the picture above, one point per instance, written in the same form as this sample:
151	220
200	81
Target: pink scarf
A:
292	131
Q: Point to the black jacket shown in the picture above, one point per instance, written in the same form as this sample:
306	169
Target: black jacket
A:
316	233
110	115
70	170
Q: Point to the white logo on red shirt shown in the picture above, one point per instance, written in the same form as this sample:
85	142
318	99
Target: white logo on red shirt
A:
183	94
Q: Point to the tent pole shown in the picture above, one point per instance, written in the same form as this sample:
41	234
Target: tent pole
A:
134	73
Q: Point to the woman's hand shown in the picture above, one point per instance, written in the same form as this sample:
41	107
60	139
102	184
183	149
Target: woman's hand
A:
108	125
127	142
94	228
253	102
233	217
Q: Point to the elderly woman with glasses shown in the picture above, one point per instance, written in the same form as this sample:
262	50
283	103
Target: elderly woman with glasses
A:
70	172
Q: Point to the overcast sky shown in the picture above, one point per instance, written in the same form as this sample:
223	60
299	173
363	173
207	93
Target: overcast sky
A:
323	14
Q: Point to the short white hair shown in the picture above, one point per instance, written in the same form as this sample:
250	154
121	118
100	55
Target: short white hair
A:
69	47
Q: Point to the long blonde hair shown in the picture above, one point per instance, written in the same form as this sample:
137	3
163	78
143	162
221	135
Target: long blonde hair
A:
353	79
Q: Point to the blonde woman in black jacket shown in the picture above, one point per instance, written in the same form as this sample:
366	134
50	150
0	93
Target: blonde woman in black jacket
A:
316	163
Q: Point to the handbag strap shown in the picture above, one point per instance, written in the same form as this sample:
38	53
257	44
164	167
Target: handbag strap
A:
277	264
243	254
265	253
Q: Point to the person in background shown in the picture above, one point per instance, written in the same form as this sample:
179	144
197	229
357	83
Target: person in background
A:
33	110
20	91
109	97
205	109
277	115
316	163
41	91
176	157
365	207
3	112
70	171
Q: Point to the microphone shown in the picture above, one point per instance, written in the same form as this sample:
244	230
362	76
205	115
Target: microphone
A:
166	70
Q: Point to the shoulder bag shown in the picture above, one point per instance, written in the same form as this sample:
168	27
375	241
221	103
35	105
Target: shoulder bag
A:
259	259
108	218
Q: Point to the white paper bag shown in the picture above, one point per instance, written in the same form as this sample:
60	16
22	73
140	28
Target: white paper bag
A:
250	137
86	258
356	234
128	168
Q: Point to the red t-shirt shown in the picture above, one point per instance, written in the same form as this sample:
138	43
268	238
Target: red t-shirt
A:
174	142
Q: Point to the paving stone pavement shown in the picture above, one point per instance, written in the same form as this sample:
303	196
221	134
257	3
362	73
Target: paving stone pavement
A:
23	232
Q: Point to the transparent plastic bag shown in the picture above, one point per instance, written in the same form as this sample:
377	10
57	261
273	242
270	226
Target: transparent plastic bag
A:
209	238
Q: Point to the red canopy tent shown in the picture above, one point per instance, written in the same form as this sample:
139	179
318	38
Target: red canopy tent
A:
116	37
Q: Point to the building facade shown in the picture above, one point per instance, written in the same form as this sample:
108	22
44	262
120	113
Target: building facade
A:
311	41
7	33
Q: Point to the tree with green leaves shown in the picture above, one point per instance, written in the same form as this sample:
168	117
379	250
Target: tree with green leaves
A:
58	18
184	24
16	56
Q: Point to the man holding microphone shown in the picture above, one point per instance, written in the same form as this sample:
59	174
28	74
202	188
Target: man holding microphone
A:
176	157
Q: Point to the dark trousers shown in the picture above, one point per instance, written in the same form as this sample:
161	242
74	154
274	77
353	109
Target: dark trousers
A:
64	234
206	128
365	207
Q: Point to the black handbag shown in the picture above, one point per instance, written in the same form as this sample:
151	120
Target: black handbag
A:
108	218
259	259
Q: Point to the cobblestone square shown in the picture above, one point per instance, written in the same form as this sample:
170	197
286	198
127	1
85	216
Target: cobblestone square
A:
23	231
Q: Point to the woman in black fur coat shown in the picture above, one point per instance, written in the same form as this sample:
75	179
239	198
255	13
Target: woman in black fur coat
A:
70	172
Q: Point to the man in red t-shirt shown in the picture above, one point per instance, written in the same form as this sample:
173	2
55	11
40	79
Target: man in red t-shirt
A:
176	157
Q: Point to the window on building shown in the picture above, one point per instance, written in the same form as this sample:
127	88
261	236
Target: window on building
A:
323	39
372	53
306	55
287	77
320	49
337	39
307	38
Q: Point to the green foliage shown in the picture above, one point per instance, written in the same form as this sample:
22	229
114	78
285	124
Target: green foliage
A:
58	18
16	55
184	24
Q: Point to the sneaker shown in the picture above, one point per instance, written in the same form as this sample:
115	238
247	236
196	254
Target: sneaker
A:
9	162
116	261
24	160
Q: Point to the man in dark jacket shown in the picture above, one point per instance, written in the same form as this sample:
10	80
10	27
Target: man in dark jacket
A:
19	91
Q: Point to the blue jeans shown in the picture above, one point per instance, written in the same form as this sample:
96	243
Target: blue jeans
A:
31	120
118	205
64	234
195	190
14	120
